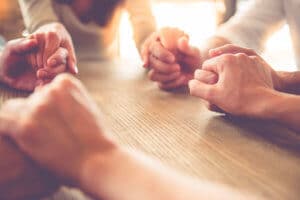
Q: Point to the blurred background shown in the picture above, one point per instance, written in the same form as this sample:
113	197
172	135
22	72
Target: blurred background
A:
198	18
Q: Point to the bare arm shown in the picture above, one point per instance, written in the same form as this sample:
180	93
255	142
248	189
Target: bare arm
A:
290	82
86	155
142	20
126	175
37	13
283	108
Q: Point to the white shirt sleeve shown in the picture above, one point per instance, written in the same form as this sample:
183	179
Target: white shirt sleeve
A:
142	20
37	13
252	27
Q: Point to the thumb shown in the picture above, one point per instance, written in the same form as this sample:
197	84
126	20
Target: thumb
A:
71	58
202	90
205	76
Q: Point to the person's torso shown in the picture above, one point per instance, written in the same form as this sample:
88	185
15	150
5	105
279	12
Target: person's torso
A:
91	40
292	12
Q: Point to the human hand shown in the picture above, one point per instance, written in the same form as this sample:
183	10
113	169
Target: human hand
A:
244	80
233	49
15	71
172	61
18	64
59	126
50	38
56	64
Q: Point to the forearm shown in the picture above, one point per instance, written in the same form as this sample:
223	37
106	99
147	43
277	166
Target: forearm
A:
37	13
20	178
287	110
280	107
126	175
290	82
142	20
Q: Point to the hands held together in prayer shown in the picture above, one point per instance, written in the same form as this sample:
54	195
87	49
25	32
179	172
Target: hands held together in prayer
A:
56	108
230	79
170	58
34	61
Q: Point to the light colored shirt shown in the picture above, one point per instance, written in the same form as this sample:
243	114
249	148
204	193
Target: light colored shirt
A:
90	40
252	27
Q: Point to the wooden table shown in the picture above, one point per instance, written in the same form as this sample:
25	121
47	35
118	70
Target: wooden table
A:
259	157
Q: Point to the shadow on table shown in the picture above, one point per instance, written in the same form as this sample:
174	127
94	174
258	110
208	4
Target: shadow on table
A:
267	130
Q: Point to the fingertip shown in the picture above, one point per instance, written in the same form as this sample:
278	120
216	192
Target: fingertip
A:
214	52
42	74
52	62
183	42
192	84
145	62
76	69
73	69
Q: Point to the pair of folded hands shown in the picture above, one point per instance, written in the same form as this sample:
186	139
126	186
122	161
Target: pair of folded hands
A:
30	62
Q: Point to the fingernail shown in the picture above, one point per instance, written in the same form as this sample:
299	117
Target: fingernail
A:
76	69
42	74
53	62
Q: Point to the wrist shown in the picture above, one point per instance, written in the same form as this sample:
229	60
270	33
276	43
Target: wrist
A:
280	80
268	105
97	167
50	26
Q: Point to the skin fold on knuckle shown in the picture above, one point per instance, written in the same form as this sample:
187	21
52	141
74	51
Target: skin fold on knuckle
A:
52	36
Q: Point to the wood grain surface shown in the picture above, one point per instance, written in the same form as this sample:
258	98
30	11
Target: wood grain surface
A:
254	156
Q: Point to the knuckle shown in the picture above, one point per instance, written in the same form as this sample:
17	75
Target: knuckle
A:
242	56
230	46
227	58
43	106
27	126
55	92
251	51
65	81
39	35
10	43
256	59
52	36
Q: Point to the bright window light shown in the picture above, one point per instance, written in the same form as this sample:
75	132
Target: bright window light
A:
198	19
